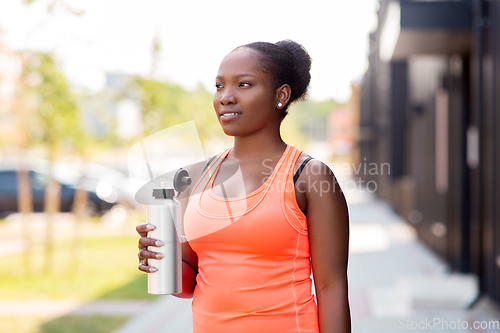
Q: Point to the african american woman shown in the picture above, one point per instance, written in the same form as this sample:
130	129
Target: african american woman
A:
251	245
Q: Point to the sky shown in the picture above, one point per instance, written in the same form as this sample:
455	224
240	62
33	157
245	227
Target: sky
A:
117	36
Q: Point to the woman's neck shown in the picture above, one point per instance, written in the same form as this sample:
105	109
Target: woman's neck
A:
258	147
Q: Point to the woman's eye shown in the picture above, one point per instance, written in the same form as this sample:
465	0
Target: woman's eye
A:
218	86
245	84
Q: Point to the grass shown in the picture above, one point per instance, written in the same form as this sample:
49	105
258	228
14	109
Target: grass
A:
83	324
96	268
65	324
100	268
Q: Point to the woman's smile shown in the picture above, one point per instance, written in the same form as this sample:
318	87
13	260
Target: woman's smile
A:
227	116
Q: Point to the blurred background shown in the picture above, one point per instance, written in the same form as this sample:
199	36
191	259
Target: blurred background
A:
403	106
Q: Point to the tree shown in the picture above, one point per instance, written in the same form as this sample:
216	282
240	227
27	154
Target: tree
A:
56	113
165	104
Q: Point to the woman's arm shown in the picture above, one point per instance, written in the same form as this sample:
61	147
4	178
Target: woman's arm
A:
328	224
189	271
189	257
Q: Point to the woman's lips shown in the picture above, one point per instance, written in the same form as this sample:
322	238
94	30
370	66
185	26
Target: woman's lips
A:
230	115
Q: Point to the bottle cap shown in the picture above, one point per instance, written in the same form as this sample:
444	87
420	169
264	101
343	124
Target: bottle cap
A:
163	193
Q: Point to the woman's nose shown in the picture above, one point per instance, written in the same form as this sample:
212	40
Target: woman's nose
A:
227	97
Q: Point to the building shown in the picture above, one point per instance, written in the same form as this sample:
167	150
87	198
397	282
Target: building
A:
429	106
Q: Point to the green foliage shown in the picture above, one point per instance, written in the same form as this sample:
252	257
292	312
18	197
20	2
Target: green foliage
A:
99	125
202	111
164	104
58	117
314	109
291	131
312	118
53	105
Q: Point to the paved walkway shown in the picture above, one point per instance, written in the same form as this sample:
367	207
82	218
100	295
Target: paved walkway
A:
166	314
395	282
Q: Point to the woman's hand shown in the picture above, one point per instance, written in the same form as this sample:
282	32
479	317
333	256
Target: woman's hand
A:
144	242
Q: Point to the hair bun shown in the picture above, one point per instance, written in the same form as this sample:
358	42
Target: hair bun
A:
288	63
302	63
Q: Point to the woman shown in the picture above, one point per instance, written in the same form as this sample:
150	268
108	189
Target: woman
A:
251	247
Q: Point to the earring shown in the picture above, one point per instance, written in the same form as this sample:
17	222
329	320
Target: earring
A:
280	105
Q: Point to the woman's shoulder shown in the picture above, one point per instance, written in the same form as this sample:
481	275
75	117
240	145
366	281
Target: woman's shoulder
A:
312	169
312	163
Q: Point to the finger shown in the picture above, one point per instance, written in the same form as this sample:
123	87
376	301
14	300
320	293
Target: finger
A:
144	228
147	269
145	254
143	266
144	242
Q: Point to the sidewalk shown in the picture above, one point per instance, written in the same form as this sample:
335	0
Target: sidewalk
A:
166	314
395	282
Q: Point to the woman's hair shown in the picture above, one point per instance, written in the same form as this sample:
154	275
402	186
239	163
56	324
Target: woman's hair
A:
287	62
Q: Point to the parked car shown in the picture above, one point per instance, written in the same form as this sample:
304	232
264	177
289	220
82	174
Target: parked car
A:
108	183
38	182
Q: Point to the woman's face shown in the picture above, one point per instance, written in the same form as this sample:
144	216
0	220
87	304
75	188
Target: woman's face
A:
245	98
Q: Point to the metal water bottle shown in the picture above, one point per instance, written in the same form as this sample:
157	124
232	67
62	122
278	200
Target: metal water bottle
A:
163	211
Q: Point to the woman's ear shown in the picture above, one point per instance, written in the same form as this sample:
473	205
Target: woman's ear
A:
283	94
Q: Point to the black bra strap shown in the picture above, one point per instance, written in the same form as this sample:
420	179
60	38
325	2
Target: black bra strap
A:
208	163
299	170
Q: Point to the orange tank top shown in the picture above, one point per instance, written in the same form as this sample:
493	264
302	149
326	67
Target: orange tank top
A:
253	256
